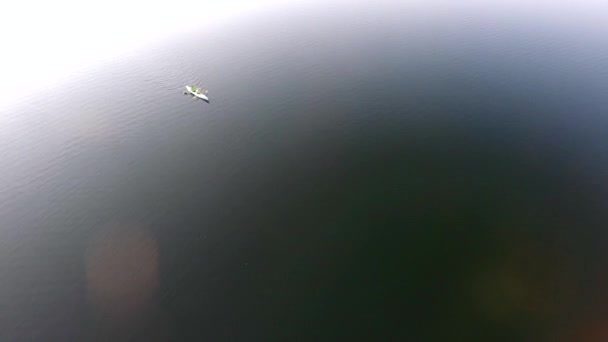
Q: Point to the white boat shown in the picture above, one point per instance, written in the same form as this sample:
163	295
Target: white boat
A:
198	92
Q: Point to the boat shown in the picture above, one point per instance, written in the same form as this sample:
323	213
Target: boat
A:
198	92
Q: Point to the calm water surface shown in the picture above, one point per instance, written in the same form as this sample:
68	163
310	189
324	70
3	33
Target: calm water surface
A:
389	171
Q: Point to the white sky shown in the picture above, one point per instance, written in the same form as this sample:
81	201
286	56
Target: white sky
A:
42	41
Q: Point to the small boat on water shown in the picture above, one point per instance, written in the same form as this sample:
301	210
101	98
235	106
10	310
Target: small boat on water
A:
198	92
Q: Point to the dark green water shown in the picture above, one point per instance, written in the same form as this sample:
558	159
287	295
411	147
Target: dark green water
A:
373	172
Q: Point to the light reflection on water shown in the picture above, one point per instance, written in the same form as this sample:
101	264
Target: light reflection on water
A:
45	43
355	175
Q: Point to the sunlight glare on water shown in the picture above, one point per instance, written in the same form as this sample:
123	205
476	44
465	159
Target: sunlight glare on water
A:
45	41
418	170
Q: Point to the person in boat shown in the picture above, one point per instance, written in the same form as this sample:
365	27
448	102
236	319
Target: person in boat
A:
198	90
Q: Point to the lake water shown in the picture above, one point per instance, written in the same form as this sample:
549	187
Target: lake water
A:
379	171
